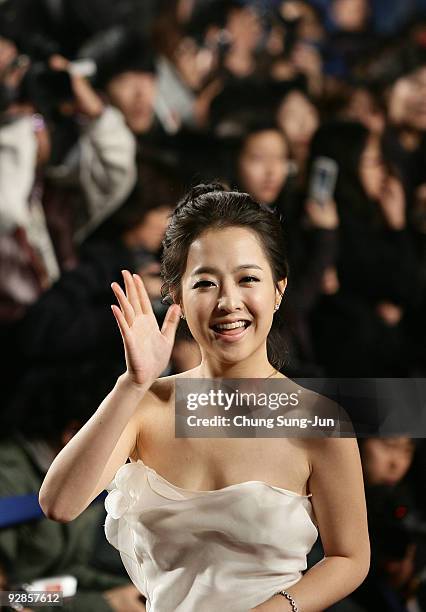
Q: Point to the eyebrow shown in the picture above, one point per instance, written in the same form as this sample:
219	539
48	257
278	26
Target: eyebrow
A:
211	270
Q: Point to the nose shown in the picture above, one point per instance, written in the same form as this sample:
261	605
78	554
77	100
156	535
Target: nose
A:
395	465
228	303
229	300
269	169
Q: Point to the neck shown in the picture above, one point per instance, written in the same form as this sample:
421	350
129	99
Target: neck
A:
256	365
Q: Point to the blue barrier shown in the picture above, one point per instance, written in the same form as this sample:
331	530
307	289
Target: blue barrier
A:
19	509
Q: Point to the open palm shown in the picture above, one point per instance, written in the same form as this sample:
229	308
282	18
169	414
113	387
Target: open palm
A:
147	348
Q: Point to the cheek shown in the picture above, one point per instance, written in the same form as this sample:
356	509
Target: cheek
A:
146	93
259	306
311	125
404	464
248	171
280	170
120	98
199	306
375	463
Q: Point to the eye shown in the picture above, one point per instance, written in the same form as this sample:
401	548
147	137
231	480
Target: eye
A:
202	283
250	279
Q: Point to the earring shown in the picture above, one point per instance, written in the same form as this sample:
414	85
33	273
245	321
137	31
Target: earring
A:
276	306
182	316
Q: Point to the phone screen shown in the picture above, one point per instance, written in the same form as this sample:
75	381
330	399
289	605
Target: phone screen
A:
323	179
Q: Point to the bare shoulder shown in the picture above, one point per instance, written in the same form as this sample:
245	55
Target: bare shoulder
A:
332	453
163	388
155	418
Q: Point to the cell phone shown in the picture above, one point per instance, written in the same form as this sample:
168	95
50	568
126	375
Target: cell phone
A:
323	179
83	67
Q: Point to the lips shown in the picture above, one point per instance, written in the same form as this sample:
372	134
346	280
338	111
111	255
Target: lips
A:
233	334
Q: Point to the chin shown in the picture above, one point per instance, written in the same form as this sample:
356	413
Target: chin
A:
268	198
140	126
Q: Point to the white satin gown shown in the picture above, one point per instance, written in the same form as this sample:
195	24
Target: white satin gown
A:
207	551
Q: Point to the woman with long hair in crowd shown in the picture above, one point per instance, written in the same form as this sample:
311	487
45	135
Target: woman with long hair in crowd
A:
360	329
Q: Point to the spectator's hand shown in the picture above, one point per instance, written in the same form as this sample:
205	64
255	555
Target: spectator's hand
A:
323	216
392	203
125	599
147	348
389	313
204	100
150	274
88	101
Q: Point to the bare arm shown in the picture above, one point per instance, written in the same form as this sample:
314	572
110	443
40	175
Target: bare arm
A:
88	463
338	499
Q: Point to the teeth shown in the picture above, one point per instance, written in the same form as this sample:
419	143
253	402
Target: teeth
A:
230	325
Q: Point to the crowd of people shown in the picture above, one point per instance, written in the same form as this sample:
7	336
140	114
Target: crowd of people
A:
109	111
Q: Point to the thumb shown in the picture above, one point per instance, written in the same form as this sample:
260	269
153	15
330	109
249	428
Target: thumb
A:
171	322
58	62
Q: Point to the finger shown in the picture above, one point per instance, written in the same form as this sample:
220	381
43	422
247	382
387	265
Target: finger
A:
125	305
131	292
121	321
171	321
58	62
144	301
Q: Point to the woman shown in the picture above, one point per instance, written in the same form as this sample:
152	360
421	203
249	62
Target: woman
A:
360	329
235	527
262	162
298	118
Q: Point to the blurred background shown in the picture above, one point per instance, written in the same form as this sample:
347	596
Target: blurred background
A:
109	111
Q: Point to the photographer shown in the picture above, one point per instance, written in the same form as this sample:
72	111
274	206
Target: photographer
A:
99	167
72	321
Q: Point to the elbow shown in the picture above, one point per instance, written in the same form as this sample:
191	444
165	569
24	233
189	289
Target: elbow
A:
363	565
367	565
53	512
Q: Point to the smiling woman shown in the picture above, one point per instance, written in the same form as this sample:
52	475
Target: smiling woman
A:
209	523
224	257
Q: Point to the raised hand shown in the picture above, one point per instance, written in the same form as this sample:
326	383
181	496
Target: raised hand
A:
147	348
87	100
323	216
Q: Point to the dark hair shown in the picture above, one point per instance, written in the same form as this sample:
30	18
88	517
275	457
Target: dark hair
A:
50	397
257	126
213	206
158	186
119	50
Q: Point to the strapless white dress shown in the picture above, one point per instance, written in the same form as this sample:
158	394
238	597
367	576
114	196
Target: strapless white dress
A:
203	551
